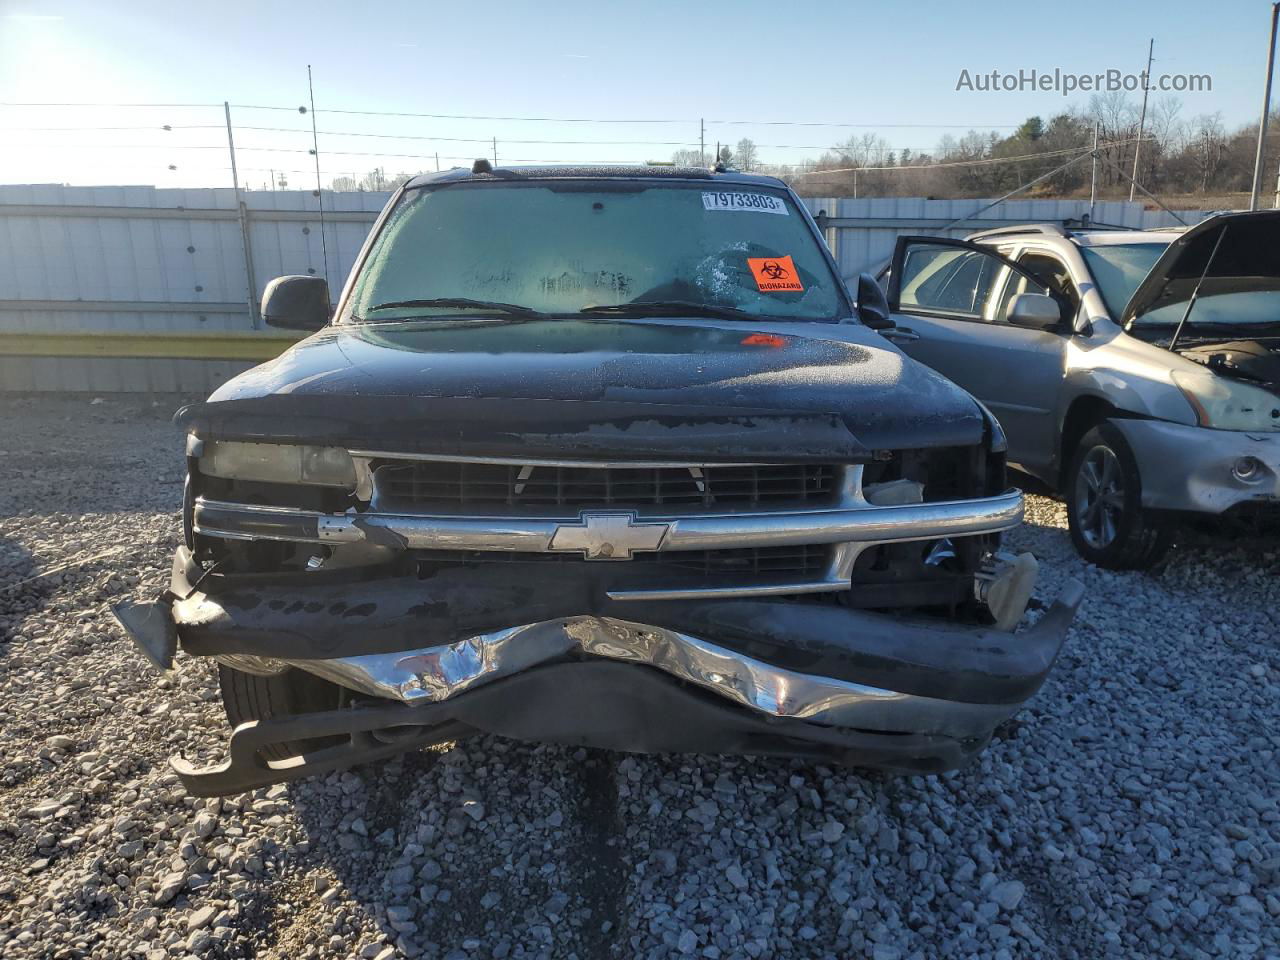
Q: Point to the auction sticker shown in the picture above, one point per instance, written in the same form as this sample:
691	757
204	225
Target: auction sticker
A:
775	275
746	202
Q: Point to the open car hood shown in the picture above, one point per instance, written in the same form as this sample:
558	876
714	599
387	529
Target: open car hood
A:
1248	258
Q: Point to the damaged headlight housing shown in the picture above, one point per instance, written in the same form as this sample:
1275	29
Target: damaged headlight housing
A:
277	463
1227	405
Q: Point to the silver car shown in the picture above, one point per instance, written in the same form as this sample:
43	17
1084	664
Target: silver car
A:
1136	372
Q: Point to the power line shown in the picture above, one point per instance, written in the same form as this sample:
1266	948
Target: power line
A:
162	128
485	140
763	123
10	103
973	163
868	126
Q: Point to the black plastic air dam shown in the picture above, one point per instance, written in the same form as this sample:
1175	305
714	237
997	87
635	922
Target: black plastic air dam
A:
292	618
613	706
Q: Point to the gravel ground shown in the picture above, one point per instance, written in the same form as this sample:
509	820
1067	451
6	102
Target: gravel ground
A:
1131	811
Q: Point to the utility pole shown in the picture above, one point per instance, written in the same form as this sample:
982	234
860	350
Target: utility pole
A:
437	161
1266	111
315	149
702	142
1142	121
495	151
1093	176
242	213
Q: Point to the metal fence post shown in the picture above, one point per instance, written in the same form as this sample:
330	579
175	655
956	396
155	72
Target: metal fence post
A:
243	212
1266	111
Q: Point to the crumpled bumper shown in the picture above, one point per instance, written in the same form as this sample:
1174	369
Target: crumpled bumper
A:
745	675
1191	468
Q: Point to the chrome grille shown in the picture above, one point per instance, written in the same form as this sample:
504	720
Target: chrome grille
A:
423	484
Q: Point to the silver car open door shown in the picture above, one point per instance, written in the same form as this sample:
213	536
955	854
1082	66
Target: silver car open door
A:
952	301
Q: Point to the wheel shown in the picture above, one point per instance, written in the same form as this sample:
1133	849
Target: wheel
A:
1103	491
246	696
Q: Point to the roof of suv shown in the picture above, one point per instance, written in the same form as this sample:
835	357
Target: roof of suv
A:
1084	235
619	172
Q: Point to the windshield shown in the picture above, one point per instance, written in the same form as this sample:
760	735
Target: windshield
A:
1222	302
1119	268
564	247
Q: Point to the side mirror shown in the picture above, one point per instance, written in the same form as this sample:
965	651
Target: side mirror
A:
296	303
1035	311
873	308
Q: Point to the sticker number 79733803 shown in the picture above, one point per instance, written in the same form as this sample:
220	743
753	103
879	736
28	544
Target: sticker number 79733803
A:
745	202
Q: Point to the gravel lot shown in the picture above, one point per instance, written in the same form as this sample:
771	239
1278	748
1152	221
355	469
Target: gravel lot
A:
1130	812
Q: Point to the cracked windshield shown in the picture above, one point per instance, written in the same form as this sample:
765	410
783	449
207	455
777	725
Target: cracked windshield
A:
556	250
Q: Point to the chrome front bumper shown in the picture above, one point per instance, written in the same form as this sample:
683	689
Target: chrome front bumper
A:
866	523
435	674
612	535
1190	468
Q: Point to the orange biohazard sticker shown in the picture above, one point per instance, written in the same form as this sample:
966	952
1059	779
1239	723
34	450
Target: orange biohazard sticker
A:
775	274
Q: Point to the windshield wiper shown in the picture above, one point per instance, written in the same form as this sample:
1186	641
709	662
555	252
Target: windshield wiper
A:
642	308
496	306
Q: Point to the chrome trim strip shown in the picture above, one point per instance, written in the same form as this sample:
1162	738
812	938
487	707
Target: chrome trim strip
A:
433	674
860	524
535	462
868	524
748	589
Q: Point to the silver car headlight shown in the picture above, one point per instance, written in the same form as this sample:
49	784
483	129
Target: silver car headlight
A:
278	463
1227	405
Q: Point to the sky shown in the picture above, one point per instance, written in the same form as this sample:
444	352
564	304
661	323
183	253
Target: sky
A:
795	78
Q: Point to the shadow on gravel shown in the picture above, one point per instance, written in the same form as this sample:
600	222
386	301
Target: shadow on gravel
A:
491	842
18	599
87	454
495	848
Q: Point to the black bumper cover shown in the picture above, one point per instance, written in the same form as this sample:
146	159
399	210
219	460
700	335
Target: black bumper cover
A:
616	705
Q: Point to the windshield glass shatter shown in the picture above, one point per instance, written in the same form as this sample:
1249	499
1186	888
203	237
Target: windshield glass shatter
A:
509	248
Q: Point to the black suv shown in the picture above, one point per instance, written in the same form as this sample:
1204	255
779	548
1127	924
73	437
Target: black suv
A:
599	456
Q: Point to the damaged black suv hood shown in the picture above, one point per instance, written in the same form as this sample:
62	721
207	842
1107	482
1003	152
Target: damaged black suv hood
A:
593	388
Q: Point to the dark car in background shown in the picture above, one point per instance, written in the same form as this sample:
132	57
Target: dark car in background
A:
597	456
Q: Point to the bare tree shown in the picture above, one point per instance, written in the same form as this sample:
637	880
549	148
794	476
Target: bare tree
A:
747	154
1165	123
1207	147
1117	119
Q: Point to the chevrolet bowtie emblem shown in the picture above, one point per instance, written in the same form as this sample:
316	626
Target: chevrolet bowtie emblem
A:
608	536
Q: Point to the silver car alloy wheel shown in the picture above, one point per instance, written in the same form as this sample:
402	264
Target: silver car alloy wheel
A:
1099	497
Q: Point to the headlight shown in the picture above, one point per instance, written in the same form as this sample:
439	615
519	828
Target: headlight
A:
278	463
1226	405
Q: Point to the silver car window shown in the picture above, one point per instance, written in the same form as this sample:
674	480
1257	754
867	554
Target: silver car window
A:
1049	268
948	280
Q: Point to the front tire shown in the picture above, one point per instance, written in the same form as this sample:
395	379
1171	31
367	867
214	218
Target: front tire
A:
247	696
1103	490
